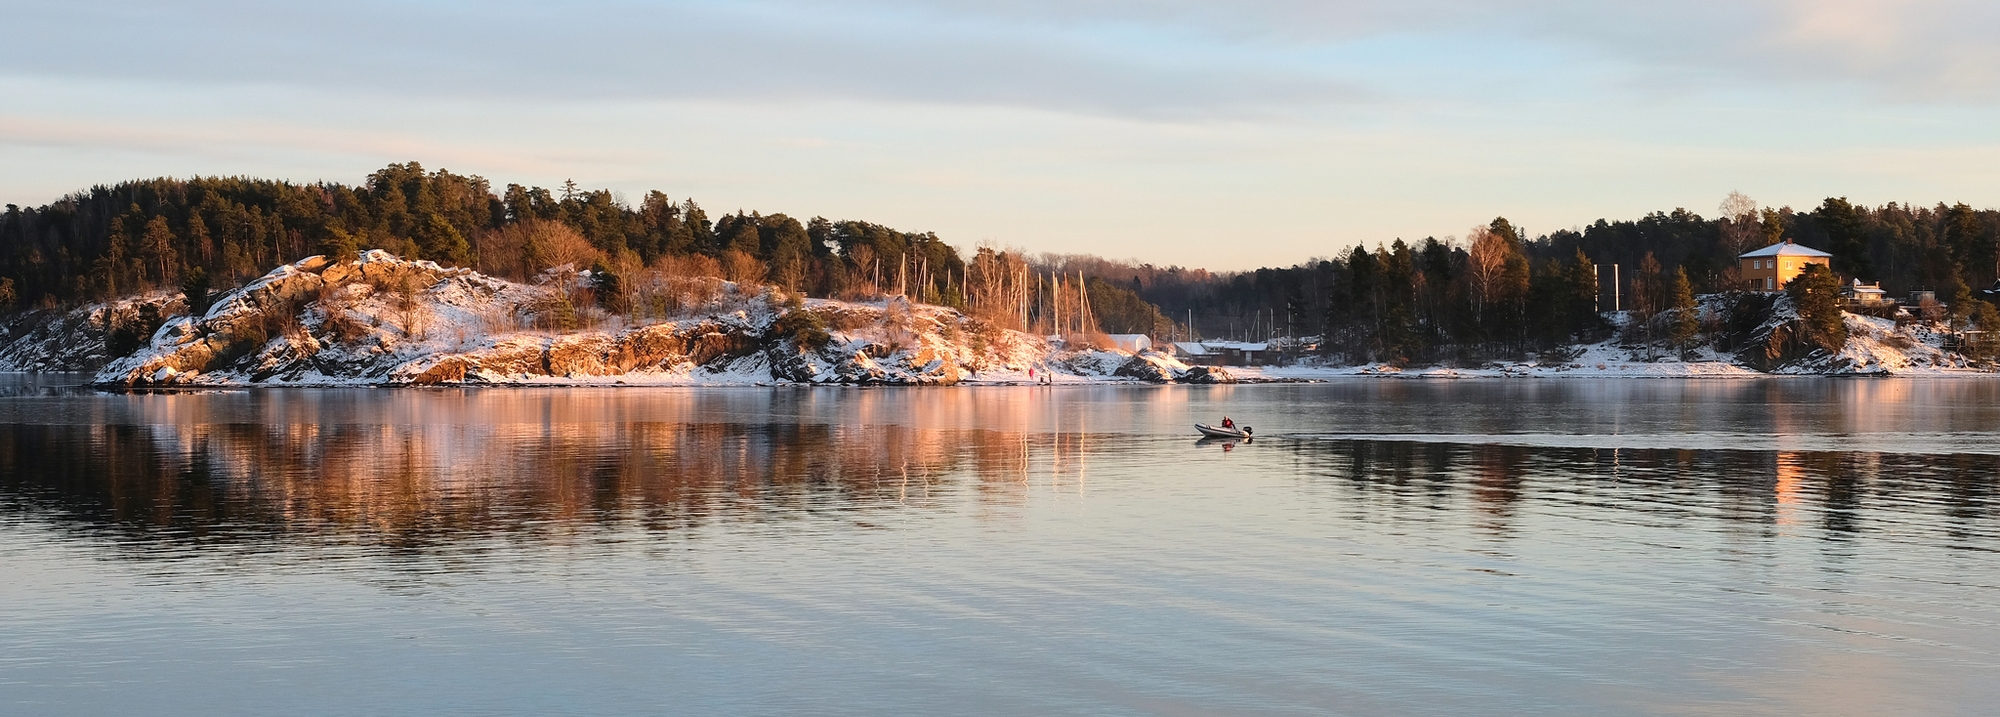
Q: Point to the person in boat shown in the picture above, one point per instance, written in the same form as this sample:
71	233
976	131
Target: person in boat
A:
1226	423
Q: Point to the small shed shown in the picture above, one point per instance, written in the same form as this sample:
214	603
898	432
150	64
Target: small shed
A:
1132	342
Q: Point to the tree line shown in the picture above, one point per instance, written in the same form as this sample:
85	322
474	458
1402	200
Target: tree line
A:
1498	292
193	234
1493	291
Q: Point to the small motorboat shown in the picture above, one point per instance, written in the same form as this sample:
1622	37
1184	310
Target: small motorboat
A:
1217	432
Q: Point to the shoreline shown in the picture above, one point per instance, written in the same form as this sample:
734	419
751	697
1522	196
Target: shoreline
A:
1289	376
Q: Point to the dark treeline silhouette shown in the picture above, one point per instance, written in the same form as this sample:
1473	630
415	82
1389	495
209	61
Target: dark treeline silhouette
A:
166	233
194	235
1496	292
1490	293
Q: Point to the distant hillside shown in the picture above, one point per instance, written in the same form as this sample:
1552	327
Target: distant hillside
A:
378	319
1493	294
196	235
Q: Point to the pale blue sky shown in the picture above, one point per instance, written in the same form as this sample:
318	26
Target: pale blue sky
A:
1218	134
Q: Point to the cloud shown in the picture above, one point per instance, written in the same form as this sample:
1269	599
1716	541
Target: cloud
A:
1171	59
749	51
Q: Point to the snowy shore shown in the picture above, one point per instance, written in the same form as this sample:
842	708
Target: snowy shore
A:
379	320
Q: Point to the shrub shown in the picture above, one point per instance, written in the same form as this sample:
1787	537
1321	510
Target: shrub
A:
806	328
127	333
195	290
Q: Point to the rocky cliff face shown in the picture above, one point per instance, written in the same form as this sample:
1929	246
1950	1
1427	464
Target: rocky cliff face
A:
82	339
382	320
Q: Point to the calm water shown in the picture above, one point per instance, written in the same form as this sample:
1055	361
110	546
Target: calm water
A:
1388	547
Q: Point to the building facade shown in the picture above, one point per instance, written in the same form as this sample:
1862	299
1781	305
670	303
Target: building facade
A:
1768	269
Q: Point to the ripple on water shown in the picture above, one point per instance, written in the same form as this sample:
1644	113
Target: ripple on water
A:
1552	547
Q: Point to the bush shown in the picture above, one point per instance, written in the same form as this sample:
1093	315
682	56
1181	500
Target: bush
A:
198	293
128	333
805	328
609	288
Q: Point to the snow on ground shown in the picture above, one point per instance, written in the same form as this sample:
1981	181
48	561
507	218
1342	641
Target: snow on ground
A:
1605	360
382	320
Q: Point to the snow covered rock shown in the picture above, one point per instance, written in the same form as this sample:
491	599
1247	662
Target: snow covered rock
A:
1207	374
1151	367
383	320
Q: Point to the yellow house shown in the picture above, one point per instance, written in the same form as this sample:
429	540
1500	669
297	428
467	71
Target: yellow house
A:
1770	267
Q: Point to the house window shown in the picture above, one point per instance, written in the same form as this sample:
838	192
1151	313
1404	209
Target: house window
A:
1769	283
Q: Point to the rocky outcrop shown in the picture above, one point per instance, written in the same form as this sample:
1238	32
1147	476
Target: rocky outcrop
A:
1207	374
382	320
1149	367
85	338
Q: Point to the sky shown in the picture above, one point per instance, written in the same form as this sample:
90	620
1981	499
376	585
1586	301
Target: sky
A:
1225	135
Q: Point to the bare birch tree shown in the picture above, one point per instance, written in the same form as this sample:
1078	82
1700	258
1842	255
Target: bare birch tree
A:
1739	223
1485	267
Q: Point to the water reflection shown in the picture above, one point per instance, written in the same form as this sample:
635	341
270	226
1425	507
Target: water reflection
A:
1835	492
412	485
1472	548
411	469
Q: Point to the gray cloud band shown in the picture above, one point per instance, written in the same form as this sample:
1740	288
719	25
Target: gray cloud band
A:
1166	58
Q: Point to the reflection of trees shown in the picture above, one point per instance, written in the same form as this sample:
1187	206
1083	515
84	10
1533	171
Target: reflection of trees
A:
1760	489
414	484
1499	473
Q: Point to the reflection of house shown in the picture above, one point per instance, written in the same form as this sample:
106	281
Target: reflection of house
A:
1132	342
1866	294
1770	267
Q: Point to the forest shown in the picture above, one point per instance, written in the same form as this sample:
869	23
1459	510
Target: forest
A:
1495	293
203	234
1492	292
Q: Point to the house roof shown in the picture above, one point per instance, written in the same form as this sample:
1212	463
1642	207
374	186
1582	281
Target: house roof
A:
1191	348
1237	345
1783	248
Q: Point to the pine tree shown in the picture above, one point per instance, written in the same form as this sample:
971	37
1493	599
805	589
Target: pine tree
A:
195	289
157	247
440	242
1816	295
1687	316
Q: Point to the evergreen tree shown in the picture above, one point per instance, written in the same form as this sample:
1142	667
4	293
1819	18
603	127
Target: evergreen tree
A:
439	241
609	288
1815	294
1687	316
1846	238
1965	238
1773	222
196	290
699	230
156	246
1958	298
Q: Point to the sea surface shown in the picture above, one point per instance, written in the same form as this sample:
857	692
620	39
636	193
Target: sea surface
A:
1383	547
